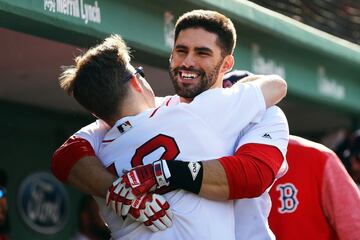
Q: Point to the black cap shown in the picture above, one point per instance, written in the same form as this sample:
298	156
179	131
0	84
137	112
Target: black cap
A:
236	75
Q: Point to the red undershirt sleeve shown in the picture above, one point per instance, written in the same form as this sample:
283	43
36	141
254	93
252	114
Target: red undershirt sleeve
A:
68	154
251	170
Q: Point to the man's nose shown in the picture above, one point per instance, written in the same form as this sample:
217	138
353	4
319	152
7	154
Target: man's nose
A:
189	61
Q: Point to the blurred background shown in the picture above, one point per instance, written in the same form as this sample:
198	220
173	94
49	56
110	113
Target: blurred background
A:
314	45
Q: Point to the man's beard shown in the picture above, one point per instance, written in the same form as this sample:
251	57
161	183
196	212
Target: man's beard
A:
205	82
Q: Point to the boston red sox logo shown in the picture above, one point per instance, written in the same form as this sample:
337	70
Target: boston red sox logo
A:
288	199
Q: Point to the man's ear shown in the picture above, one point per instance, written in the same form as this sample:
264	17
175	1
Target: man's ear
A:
228	63
136	84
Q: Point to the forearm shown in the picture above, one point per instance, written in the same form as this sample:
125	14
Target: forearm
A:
76	164
246	175
89	176
273	87
214	183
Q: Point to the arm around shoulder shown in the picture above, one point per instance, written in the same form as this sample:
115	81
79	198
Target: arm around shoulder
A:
75	163
89	176
273	87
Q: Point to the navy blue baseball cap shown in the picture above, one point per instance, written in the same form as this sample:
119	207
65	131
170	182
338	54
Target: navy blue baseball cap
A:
236	75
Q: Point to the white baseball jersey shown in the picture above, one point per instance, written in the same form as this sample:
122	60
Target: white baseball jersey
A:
207	128
251	214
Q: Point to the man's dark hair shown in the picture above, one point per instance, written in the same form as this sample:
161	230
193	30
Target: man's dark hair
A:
97	79
213	22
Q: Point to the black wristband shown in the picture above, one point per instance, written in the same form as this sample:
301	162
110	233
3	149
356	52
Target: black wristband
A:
186	175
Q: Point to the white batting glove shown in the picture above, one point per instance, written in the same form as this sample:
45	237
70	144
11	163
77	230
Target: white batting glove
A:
119	198
134	184
153	211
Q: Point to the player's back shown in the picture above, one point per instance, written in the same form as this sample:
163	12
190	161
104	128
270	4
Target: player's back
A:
205	129
171	135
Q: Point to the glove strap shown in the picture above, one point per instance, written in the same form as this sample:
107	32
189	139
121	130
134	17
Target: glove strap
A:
178	174
161	172
186	175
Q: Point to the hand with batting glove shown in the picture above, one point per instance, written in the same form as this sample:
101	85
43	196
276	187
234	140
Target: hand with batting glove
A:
134	184
129	195
153	211
131	192
161	174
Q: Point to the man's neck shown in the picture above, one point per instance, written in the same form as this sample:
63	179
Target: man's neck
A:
186	100
128	111
218	84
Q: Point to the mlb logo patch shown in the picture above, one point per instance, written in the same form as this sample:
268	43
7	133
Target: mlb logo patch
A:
124	127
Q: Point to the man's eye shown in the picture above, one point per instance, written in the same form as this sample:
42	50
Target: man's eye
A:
180	51
204	54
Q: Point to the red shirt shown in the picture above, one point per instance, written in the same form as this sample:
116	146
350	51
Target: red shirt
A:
316	199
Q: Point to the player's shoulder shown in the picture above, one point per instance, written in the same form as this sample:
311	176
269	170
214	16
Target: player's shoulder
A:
169	100
305	145
274	115
274	110
98	126
217	95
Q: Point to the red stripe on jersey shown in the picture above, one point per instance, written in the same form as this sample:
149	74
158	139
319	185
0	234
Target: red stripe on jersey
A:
168	101
68	154
153	113
106	141
252	170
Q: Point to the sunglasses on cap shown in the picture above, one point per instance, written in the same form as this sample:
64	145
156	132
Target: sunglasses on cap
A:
2	192
138	70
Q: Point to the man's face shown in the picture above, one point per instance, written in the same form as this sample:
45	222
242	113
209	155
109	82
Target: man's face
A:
196	62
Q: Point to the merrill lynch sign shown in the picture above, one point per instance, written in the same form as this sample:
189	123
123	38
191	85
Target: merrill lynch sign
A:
75	8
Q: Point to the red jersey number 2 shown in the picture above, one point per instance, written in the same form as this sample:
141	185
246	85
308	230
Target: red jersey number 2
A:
160	141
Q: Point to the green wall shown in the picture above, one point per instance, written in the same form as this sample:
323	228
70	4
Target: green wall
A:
317	66
28	138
